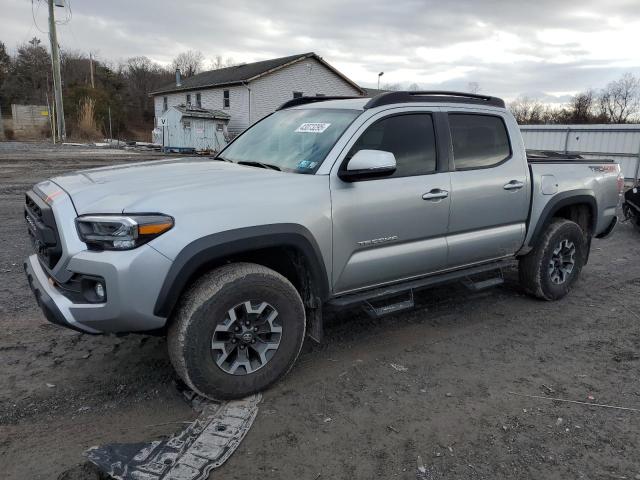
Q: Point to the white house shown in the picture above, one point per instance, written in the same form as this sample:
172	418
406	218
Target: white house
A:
250	91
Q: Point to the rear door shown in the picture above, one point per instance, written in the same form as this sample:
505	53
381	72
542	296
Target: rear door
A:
392	228
490	187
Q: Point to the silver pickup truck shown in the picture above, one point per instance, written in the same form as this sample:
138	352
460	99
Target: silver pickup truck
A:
326	203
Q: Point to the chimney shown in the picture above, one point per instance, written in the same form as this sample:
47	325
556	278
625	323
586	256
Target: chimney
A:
178	79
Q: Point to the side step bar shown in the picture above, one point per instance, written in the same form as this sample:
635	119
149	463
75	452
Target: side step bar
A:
377	296
389	308
476	286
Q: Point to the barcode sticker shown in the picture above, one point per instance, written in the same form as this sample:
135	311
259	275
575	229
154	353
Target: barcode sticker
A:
312	127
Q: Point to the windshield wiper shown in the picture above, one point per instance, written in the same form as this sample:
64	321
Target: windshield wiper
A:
259	164
222	159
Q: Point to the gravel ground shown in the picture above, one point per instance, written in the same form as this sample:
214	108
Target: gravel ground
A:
433	382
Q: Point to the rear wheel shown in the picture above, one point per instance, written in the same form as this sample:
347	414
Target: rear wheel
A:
551	268
237	331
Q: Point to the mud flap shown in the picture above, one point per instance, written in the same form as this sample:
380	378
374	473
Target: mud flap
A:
205	444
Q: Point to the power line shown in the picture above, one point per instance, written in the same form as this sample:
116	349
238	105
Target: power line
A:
67	8
33	16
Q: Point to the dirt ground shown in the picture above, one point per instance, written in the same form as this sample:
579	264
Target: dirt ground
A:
345	411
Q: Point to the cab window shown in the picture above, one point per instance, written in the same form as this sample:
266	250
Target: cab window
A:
410	137
479	141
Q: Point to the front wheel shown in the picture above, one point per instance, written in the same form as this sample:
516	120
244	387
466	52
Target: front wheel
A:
237	330
551	268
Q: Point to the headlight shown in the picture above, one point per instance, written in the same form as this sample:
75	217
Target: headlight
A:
121	232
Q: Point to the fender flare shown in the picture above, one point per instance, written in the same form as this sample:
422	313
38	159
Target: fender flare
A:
561	200
221	245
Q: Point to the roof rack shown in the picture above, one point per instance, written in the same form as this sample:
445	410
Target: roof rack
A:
390	98
294	102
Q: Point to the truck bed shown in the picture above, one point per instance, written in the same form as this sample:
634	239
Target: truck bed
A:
555	175
550	156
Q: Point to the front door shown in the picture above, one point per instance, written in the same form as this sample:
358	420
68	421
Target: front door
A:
392	228
490	189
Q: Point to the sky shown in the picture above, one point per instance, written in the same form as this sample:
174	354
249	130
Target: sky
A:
542	49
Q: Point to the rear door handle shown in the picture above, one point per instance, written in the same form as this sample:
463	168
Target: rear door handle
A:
513	185
435	194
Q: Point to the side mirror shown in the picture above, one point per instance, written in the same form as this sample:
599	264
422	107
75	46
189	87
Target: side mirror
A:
368	164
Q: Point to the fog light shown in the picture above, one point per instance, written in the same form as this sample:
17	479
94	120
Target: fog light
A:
99	289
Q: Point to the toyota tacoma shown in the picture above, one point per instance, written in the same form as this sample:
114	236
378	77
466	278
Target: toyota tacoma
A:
326	203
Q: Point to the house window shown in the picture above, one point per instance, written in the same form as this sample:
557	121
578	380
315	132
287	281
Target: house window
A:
165	104
188	99
297	94
219	127
187	123
226	99
198	100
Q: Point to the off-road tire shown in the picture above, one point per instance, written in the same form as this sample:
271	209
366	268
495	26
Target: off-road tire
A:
190	332
534	267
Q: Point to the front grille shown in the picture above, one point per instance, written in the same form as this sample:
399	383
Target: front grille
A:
32	206
42	229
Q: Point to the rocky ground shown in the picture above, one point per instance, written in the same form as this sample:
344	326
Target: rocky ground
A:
445	381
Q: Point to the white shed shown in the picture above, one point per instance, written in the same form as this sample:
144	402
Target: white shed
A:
188	128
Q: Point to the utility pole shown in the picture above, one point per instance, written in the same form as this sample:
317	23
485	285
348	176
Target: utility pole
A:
93	85
57	81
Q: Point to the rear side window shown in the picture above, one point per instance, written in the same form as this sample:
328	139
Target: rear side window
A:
411	138
479	141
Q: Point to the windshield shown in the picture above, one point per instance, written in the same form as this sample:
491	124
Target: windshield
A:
292	140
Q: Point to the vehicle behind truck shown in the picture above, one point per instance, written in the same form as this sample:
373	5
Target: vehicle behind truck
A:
326	203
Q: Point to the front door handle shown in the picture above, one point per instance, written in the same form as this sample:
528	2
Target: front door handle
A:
513	185
435	194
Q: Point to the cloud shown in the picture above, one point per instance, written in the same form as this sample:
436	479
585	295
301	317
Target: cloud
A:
508	47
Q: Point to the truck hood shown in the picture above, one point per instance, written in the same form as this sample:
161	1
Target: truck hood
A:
160	186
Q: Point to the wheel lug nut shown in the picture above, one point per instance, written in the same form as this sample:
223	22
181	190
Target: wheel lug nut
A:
234	340
242	347
253	341
255	329
247	323
237	329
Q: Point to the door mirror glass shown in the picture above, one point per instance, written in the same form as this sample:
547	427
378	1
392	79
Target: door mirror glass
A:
369	164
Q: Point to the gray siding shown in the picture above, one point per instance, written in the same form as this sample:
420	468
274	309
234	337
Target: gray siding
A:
307	76
213	99
267	93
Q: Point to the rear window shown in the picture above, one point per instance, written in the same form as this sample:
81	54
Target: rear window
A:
479	141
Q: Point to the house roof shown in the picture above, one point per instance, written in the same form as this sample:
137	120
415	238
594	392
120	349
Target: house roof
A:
244	73
198	112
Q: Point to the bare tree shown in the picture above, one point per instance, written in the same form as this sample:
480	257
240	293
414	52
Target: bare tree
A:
391	87
526	110
473	87
218	62
414	87
189	62
529	111
620	100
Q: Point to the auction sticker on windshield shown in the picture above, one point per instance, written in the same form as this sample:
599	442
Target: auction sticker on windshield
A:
312	127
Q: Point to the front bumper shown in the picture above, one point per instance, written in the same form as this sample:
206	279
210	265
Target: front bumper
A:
43	291
132	278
